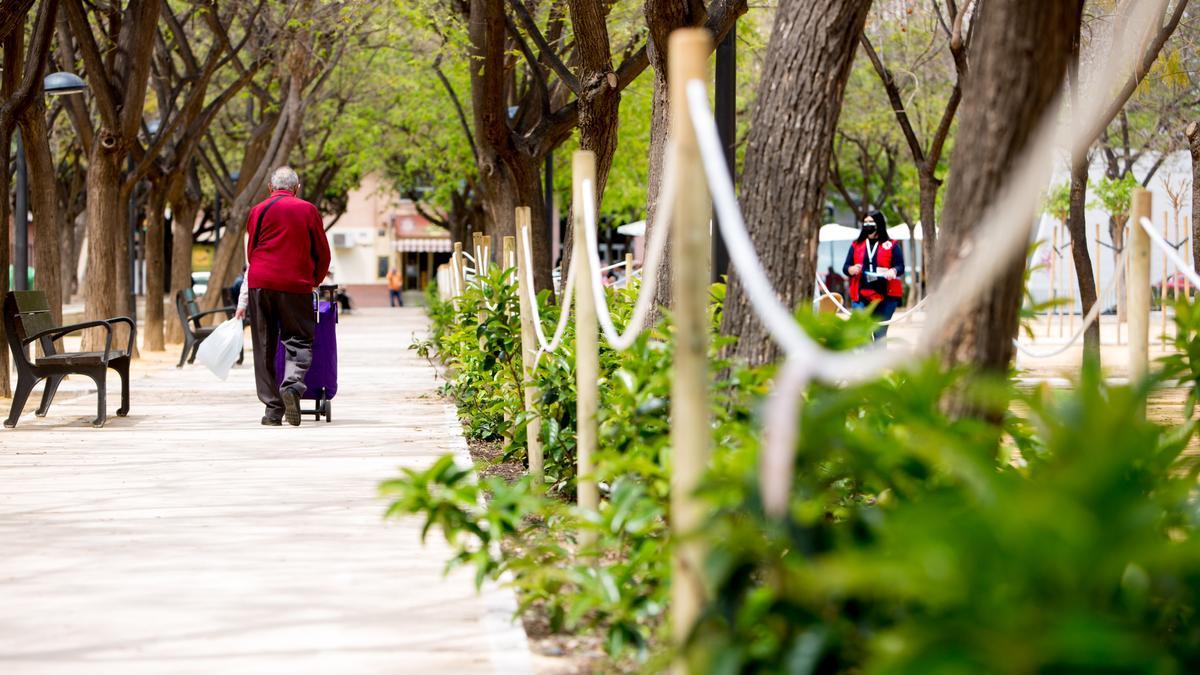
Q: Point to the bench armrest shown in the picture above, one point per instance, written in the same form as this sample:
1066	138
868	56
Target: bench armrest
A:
55	333
132	334
195	318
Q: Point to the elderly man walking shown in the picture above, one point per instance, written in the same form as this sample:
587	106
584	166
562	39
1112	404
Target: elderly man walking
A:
288	257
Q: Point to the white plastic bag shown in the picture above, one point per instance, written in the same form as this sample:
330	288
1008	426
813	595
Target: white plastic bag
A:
220	350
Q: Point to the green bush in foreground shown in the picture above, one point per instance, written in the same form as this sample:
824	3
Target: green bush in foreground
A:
1062	540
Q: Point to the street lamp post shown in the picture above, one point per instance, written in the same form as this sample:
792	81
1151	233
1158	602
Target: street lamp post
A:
54	84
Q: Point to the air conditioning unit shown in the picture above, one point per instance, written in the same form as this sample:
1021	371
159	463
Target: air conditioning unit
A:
365	238
342	240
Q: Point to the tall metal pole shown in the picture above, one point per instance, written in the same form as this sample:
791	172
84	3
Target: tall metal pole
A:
21	217
726	114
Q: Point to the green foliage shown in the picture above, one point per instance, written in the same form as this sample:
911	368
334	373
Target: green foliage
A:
1113	195
1061	538
1058	201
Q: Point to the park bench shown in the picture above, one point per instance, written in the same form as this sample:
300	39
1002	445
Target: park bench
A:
194	331
27	319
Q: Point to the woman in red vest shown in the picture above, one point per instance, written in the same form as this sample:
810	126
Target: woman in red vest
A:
875	266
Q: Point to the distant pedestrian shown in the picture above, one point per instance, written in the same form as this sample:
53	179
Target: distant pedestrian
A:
395	282
875	266
288	256
835	282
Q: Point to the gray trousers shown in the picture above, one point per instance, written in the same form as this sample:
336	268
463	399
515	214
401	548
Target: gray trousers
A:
276	317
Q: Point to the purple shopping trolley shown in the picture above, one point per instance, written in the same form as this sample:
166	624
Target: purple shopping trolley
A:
321	379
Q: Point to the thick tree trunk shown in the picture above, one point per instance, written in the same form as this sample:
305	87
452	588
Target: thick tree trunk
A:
929	186
662	18
804	78
1018	59
106	286
152	329
1077	226
599	100
74	233
43	199
184	208
518	183
1193	137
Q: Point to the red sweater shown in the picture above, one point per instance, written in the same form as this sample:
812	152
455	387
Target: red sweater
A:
291	253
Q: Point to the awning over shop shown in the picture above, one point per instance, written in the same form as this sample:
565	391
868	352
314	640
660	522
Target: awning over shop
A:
425	245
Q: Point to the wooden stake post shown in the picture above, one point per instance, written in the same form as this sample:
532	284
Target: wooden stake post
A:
691	434
1137	286
1162	294
587	343
456	272
529	350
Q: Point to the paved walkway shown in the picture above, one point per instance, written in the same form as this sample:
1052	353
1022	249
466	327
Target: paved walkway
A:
188	539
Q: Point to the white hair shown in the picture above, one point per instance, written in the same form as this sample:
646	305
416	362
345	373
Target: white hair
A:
285	178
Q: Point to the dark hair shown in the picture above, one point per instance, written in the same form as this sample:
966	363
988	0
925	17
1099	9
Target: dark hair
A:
880	227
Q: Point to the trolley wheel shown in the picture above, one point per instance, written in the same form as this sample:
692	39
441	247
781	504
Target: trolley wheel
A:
328	410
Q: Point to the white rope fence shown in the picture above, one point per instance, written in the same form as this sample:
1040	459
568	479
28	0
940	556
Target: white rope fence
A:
655	251
1090	318
1171	253
844	311
997	239
547	346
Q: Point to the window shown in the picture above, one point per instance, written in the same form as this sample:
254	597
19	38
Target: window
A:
383	266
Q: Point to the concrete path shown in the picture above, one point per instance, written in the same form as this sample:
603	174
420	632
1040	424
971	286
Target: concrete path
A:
186	538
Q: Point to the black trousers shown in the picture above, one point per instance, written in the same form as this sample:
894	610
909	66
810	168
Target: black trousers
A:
289	318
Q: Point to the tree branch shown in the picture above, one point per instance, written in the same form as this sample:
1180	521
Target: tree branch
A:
549	57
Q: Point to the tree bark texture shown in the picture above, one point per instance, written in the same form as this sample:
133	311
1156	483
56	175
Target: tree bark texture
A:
1193	137
1077	226
1018	60
599	99
152	330
662	18
800	98
43	199
118	86
184	207
510	174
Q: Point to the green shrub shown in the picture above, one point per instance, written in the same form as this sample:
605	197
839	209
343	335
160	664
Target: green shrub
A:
1061	540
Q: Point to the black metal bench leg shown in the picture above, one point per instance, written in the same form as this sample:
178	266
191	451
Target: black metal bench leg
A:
48	393
101	377
195	348
122	368
187	347
25	385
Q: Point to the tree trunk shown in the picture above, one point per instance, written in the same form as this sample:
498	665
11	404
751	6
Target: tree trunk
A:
517	182
106	286
1077	226
929	186
43	199
804	78
662	17
184	207
75	233
1193	137
152	330
1018	60
1116	231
